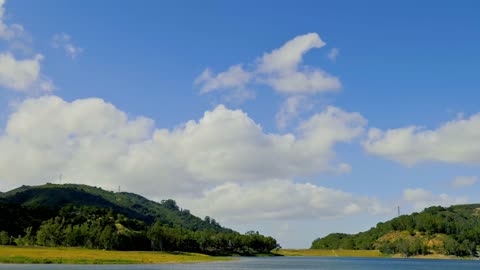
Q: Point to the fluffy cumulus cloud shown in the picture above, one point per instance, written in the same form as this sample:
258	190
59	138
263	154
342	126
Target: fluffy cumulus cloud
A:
48	136
64	41
225	152
464	181
19	74
280	199
457	141
420	199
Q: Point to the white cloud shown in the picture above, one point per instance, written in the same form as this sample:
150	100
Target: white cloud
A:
333	54
9	32
63	40
48	136
464	181
14	34
291	108
308	81
457	141
280	69
279	199
421	198
290	55
22	75
227	145
234	77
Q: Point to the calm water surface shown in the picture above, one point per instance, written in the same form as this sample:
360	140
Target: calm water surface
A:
303	263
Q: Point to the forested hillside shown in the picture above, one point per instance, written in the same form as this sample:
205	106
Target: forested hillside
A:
436	230
84	216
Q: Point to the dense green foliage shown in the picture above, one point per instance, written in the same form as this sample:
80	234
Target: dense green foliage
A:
451	231
83	216
131	205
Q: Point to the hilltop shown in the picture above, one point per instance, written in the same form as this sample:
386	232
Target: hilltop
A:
438	230
55	197
85	216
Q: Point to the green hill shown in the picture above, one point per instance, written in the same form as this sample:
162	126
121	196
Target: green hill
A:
453	230
85	216
133	206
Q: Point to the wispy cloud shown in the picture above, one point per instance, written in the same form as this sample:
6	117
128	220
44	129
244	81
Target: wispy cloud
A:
280	69
333	54
291	108
64	41
9	32
420	198
464	181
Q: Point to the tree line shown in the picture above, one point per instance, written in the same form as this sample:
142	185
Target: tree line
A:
99	228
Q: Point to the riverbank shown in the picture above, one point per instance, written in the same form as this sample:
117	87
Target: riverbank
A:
331	253
360	254
9	254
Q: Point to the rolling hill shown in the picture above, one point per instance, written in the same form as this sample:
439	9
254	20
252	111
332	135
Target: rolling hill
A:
55	197
83	216
453	230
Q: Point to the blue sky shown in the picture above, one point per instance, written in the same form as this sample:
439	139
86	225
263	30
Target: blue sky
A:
130	69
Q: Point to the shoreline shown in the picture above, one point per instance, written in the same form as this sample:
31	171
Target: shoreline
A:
343	253
65	255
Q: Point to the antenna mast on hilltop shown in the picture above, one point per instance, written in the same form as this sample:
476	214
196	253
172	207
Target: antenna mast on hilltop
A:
398	210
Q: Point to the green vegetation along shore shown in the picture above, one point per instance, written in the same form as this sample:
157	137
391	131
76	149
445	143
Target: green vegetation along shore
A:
452	232
89	217
331	253
44	255
357	254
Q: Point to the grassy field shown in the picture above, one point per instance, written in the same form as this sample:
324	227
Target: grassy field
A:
331	253
10	254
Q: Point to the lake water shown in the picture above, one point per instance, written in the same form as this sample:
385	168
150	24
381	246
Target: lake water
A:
269	263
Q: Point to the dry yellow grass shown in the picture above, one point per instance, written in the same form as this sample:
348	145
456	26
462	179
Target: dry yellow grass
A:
330	253
90	256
